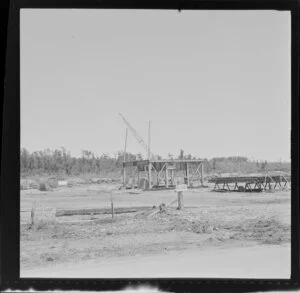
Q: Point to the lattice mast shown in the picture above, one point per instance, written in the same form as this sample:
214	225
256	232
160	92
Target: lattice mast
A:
137	136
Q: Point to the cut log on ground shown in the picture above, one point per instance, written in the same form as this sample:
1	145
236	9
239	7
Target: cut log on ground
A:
61	213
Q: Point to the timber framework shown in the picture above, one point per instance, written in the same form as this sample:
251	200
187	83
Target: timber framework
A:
163	174
252	183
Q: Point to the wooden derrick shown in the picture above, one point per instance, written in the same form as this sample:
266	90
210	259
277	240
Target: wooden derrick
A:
164	171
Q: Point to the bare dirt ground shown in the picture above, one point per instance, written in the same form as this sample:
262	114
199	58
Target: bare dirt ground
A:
241	262
210	223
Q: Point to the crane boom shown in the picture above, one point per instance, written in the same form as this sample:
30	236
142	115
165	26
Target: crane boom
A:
135	134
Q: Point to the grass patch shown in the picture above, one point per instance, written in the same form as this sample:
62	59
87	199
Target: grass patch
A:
264	230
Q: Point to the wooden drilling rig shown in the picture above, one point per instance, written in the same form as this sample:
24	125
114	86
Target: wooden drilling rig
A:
160	174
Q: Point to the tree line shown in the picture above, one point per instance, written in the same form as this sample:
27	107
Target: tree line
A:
60	161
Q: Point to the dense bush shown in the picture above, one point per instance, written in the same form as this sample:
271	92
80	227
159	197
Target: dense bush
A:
60	162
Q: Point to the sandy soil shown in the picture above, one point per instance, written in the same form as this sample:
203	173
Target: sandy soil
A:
252	228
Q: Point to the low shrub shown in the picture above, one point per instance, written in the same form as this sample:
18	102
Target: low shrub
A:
44	186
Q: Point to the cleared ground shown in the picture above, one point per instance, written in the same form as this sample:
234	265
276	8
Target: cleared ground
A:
255	224
245	262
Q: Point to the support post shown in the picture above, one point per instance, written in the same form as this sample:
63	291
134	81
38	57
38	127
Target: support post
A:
172	176
139	178
167	178
187	174
124	176
149	175
149	165
124	159
201	174
236	186
135	180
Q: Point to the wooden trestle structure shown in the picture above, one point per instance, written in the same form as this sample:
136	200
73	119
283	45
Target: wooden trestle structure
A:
163	173
253	183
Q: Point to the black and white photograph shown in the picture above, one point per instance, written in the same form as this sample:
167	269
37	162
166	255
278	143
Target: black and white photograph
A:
155	143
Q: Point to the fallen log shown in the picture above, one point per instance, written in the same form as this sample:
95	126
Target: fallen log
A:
91	211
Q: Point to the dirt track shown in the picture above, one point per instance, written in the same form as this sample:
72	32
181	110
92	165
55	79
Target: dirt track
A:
269	262
210	222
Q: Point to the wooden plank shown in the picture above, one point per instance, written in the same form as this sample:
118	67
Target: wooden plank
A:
177	161
136	163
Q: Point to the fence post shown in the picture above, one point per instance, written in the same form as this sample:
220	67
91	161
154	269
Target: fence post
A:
180	200
112	206
32	213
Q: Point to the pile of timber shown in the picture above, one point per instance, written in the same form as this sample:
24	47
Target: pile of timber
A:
260	182
250	179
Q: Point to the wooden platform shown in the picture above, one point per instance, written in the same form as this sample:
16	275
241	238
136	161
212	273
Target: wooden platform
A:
163	171
250	183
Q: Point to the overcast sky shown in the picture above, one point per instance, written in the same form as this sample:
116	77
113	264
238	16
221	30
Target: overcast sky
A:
214	83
